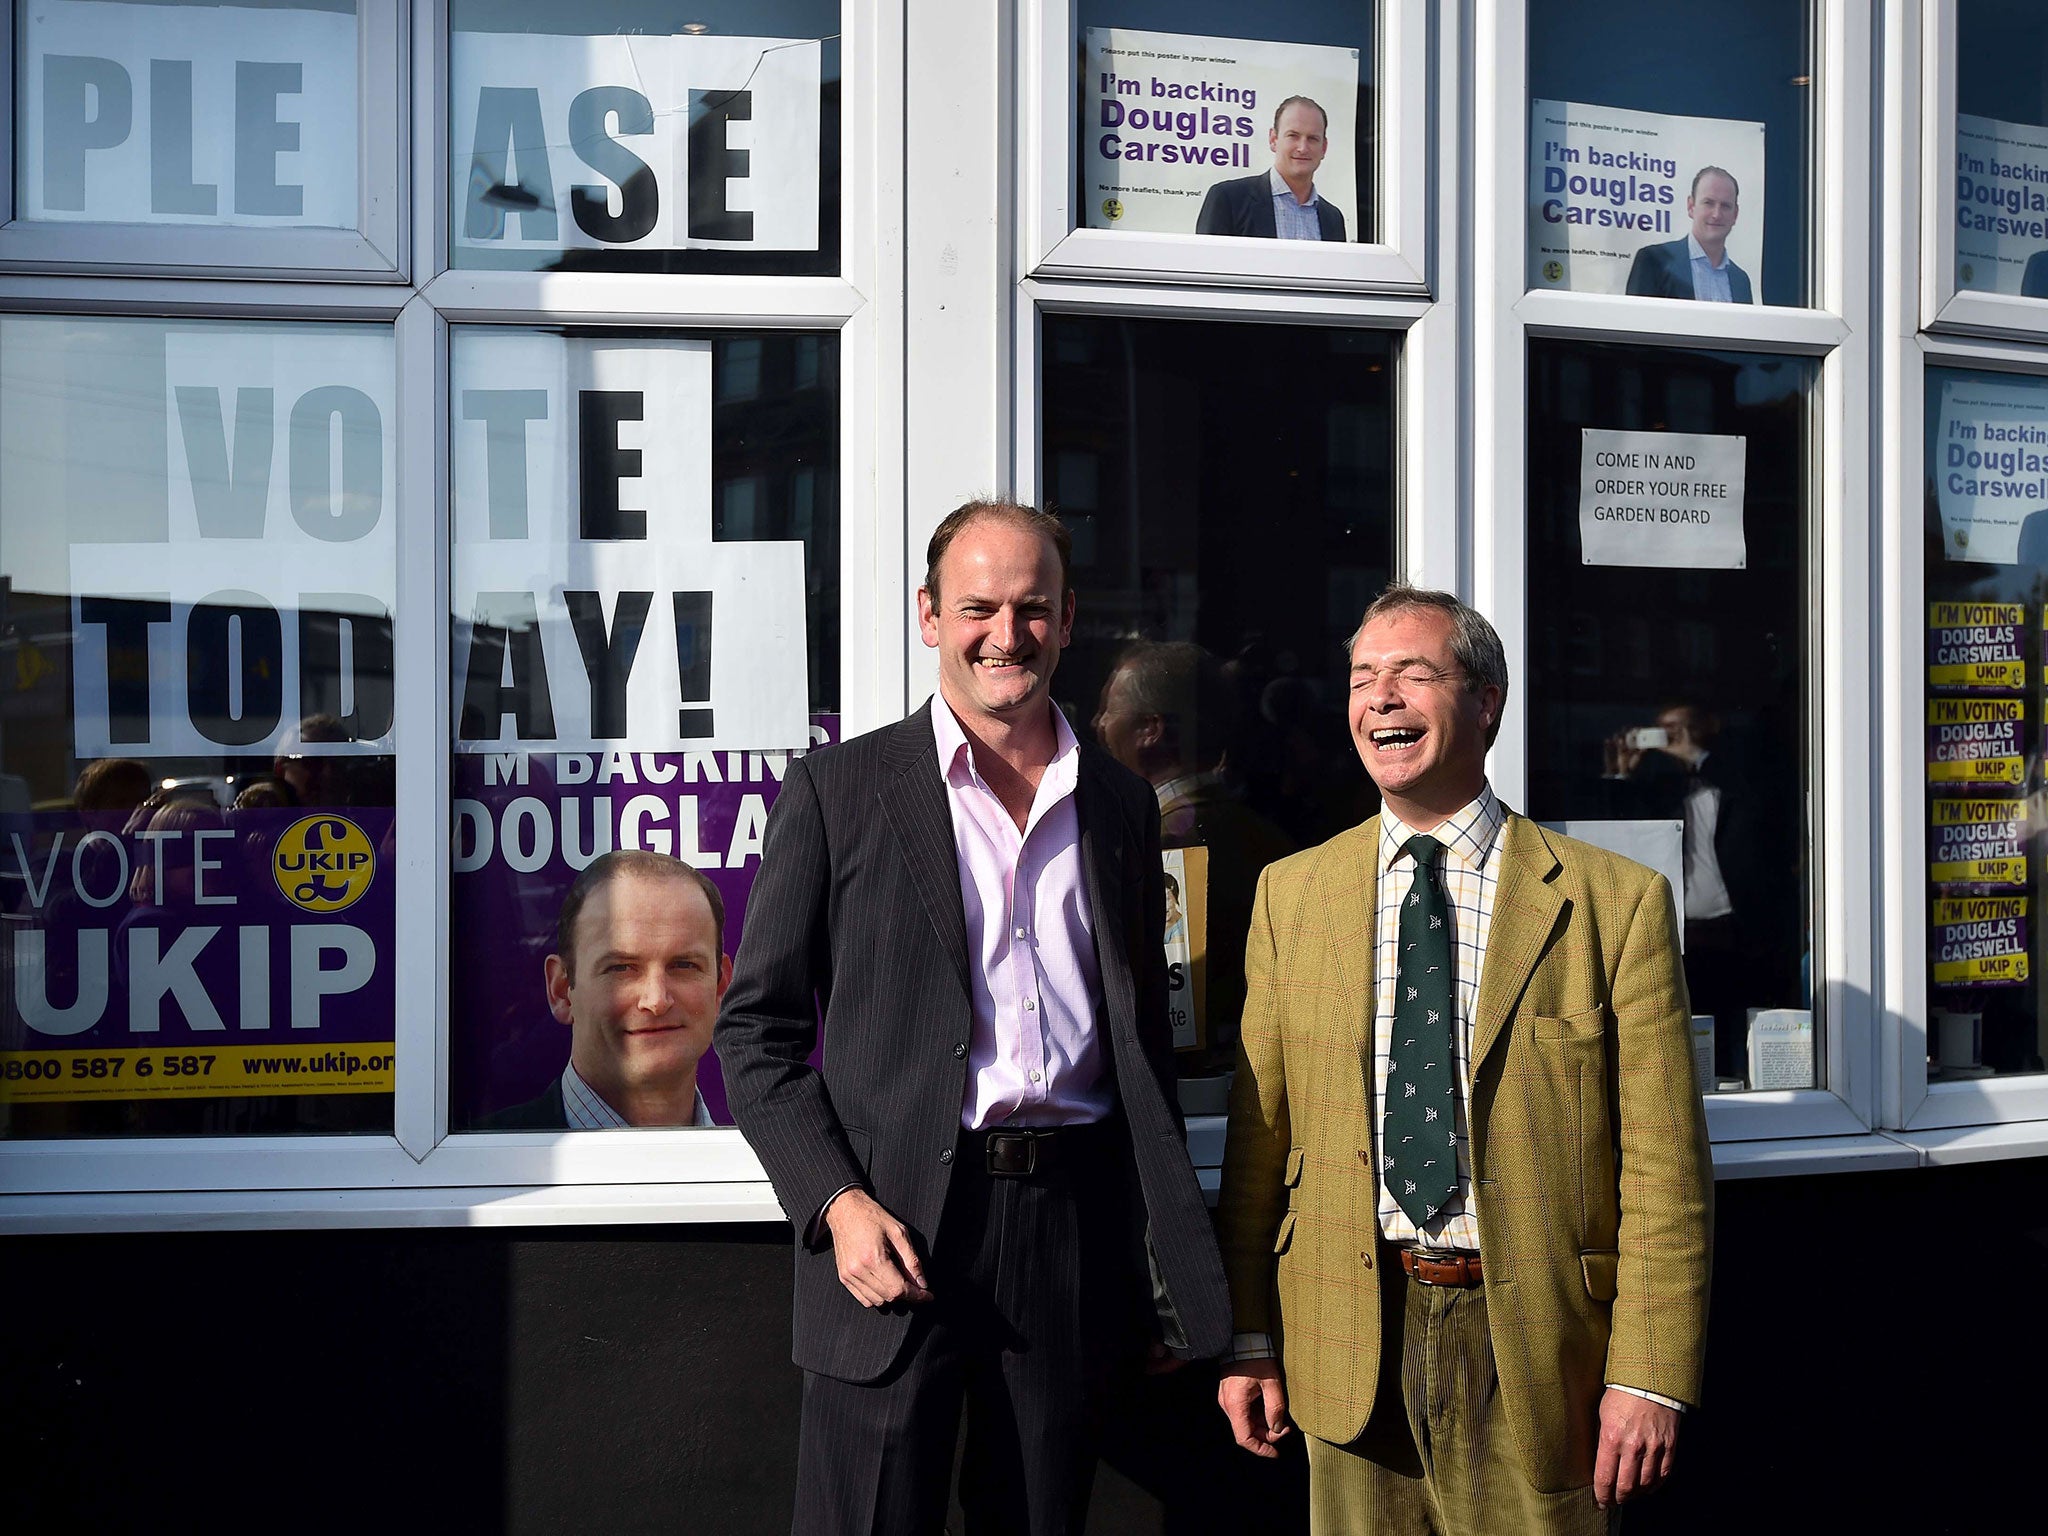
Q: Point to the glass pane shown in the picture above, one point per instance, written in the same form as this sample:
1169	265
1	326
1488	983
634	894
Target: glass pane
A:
2002	147
197	581
162	112
1188	126
1669	598
1987	584
1670	148
646	571
613	136
1230	489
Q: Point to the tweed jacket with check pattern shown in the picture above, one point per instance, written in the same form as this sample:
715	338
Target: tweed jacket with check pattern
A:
1588	1142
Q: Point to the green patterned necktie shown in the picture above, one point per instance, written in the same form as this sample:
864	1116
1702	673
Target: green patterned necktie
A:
1419	1157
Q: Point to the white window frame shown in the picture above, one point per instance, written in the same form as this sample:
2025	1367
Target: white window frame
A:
1927	323
1943	305
374	251
1407	44
420	1173
1508	317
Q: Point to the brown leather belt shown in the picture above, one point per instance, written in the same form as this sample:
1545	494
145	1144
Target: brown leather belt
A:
1441	1266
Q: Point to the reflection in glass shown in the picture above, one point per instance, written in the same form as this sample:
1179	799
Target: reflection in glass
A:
1670	148
189	114
618	137
2001	214
1230	490
1987	611
197	583
1668	663
1193	119
645	570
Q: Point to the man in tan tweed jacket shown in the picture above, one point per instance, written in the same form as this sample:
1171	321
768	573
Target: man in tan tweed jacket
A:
1521	1359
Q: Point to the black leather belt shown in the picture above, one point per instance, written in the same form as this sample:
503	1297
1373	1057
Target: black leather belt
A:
1025	1152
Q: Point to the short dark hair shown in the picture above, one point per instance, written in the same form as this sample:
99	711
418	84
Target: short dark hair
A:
1184	686
1475	643
1301	101
1017	515
1715	170
642	864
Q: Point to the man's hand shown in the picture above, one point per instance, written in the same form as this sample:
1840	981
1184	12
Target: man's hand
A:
877	1260
1638	1443
1253	1397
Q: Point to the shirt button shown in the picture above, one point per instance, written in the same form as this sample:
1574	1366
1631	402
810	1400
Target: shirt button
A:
1029	1005
1023	933
946	1156
959	1051
1038	1077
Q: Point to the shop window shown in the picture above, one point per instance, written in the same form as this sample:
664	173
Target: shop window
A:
2001	147
646	625
1670	600
1670	149
616	136
197	588
1230	489
1987	611
202	114
1190	126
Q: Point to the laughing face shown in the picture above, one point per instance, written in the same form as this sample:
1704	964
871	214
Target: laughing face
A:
998	621
1419	727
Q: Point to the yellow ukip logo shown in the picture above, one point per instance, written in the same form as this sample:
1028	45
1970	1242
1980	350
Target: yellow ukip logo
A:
324	863
1112	209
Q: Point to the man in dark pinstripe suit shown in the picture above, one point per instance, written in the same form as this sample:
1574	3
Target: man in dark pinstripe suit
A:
993	1203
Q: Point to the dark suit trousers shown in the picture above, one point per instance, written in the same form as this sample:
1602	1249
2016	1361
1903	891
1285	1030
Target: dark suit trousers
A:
1033	1309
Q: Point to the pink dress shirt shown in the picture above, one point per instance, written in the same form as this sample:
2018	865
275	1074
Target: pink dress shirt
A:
1035	1057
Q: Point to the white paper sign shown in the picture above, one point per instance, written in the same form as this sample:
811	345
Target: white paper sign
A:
1166	117
594	611
2001	206
190	114
633	143
1667	499
1656	843
1990	468
1780	1048
1605	183
271	594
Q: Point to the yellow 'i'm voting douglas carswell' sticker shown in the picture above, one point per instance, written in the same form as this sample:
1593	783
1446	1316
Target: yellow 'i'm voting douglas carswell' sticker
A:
323	863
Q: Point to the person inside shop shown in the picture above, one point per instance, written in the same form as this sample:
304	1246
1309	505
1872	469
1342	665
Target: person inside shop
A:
638	972
1282	203
1166	714
1696	266
1674	771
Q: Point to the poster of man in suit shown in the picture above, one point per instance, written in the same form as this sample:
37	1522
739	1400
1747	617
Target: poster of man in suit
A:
1645	203
1184	135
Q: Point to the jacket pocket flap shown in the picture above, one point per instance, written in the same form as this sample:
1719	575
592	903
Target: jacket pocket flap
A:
1286	1233
1600	1270
1292	1177
1585	1025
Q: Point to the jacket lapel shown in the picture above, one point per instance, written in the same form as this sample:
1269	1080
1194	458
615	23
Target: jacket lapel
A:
1526	915
1346	896
913	798
1102	866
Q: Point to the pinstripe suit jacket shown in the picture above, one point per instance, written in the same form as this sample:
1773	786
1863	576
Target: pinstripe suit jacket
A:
1588	1142
856	913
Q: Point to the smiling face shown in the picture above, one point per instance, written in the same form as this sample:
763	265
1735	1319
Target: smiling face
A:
1299	141
644	990
1419	729
998	621
1712	208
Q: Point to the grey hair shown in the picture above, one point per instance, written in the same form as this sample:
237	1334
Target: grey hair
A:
1475	643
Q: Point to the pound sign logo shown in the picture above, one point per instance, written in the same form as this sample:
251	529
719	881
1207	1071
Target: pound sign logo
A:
323	863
